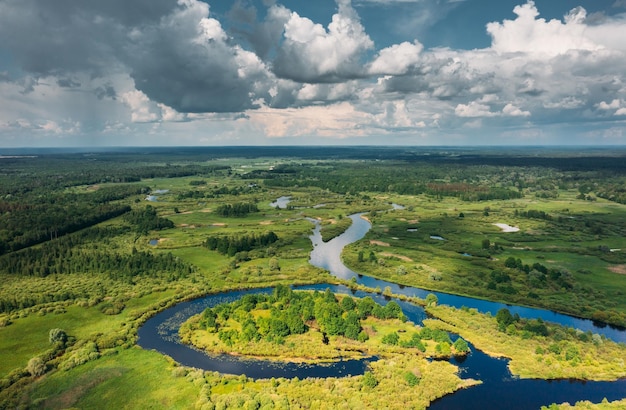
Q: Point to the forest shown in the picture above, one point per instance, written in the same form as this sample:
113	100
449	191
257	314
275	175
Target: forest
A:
94	243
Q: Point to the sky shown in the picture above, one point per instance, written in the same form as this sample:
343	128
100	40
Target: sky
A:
82	73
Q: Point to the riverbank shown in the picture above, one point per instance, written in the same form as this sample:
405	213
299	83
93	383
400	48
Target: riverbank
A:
536	349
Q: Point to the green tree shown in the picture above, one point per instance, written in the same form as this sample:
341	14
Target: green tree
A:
273	264
249	331
392	310
208	320
504	318
295	323
461	346
278	328
57	336
348	304
353	325
391	338
365	306
443	348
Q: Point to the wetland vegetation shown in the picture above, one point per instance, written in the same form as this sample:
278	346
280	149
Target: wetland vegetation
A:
81	250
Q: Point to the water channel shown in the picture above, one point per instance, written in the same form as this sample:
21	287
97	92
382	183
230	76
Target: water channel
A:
499	389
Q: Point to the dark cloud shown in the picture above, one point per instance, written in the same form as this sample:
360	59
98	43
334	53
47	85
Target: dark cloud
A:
187	63
165	46
53	37
243	12
264	37
105	91
68	83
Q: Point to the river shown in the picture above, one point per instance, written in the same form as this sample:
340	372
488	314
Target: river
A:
499	389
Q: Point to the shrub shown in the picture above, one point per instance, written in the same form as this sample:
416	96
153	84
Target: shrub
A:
36	366
391	339
411	379
57	336
369	380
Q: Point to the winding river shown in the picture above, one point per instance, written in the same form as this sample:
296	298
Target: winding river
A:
499	389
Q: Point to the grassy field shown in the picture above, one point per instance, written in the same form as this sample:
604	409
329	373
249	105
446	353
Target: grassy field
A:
131	379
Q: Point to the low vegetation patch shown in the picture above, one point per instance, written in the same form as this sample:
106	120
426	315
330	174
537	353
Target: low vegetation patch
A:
537	349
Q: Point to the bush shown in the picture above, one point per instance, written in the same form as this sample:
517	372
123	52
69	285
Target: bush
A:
369	380
36	367
57	336
391	339
411	379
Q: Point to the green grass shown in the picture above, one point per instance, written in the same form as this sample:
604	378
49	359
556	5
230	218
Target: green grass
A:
28	337
133	379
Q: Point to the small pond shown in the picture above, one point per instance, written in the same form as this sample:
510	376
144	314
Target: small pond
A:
281	202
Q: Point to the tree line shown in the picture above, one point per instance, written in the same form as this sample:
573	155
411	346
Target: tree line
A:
230	245
238	209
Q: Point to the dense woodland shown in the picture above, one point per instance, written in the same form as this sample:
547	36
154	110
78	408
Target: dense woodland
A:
231	245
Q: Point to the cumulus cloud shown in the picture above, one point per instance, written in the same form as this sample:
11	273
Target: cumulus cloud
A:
176	53
617	107
310	53
396	59
513	111
530	34
473	109
613	105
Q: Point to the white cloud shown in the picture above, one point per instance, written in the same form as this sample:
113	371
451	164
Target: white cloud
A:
396	115
473	109
566	103
615	104
142	109
311	53
618	106
513	111
396	59
533	35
